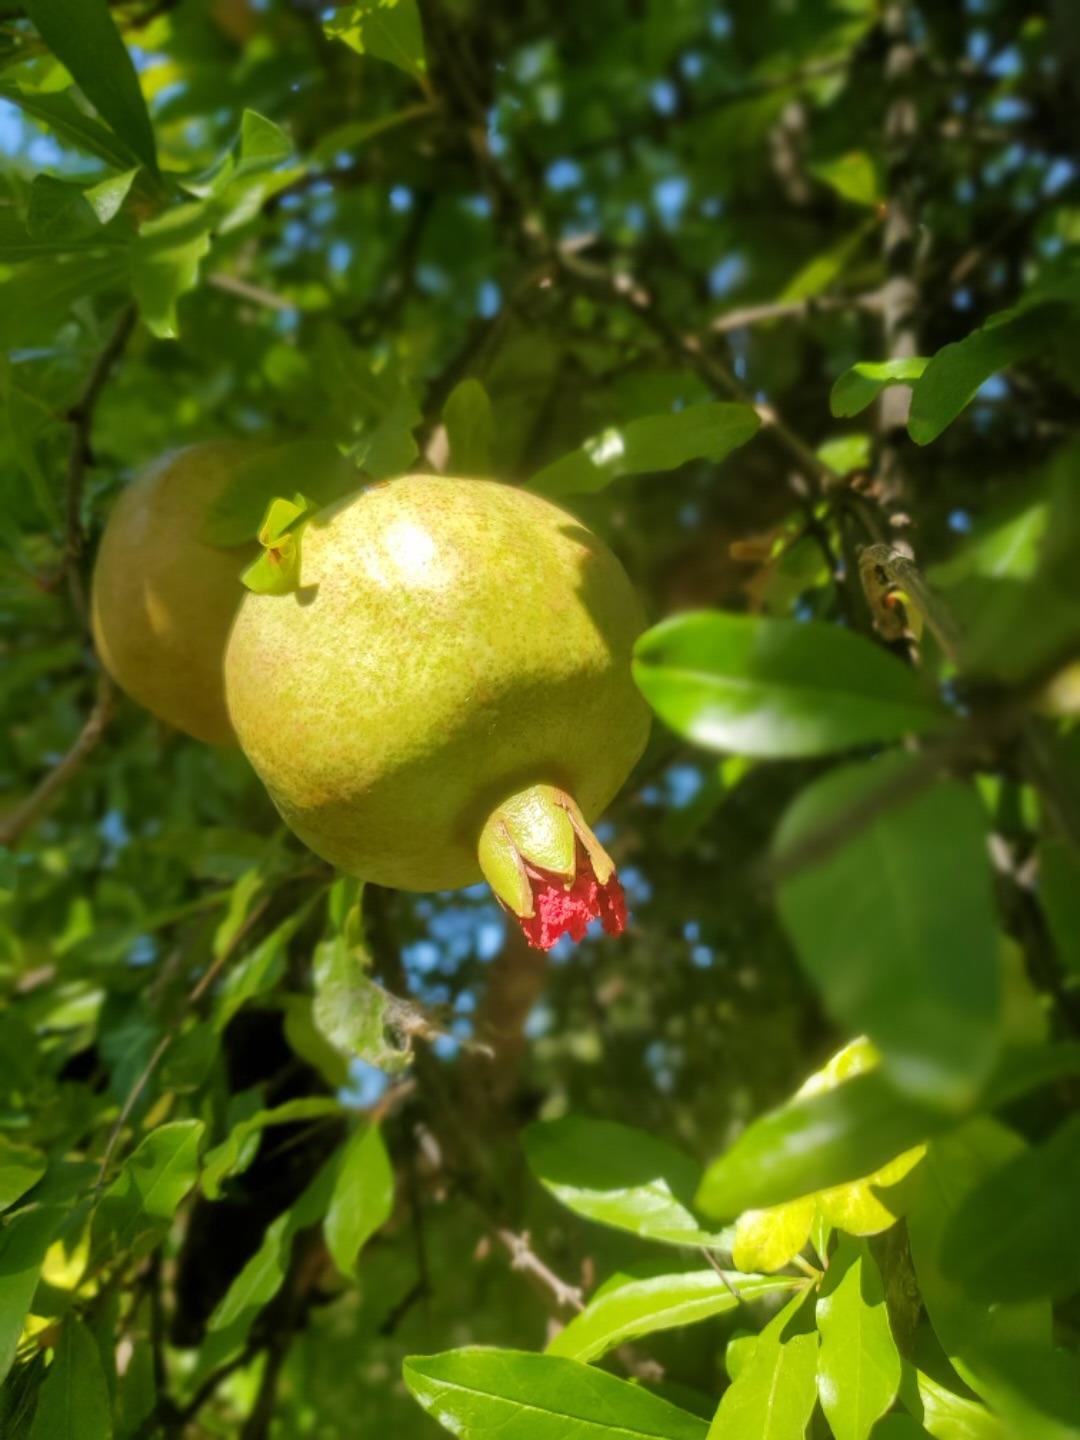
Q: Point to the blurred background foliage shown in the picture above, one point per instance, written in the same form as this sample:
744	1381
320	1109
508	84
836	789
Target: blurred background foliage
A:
596	211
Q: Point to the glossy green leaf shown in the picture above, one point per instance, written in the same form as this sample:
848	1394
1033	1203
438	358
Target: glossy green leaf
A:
863	383
1013	1236
234	517
363	1198
21	1167
83	35
619	1176
858	1365
144	1197
777	688
854	176
261	1278
839	1135
235	1153
262	143
776	1390
944	1414
41	293
387	29
259	969
952	378
24	1240
163	268
1059	893
484	1394
74	1402
649	445
824	270
470	427
69	123
871	922
899	1427
640	1302
1003	1351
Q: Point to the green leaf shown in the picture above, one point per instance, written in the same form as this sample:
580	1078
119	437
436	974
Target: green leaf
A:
59	208
944	1414
74	1402
107	197
83	35
262	143
21	1167
38	297
777	688
818	274
259	969
839	1135
470	426
953	376
863	383
363	1197
387	29
143	1199
895	953
235	516
1002	1350
641	1302
853	176
776	1390
1059	893
619	1176
899	1427
24	1240
165	265
354	1013
649	445
68	122
235	1153
858	1365
485	1394
262	1276
1013	1236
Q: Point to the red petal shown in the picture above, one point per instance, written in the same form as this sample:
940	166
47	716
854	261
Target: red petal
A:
559	909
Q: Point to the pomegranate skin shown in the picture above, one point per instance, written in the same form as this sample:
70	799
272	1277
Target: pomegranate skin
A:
162	600
451	642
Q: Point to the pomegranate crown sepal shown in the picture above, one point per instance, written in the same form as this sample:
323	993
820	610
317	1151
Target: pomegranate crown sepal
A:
548	869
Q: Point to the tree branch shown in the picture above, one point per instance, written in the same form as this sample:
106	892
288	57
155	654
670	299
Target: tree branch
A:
871	302
17	821
80	457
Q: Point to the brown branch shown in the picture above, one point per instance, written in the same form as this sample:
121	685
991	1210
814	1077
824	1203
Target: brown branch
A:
18	820
80	457
233	285
523	1257
747	315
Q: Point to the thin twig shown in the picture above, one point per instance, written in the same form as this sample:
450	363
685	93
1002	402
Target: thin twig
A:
80	457
523	1257
747	315
17	821
233	285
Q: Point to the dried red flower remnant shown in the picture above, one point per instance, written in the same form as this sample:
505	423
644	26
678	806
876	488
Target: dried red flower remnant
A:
566	909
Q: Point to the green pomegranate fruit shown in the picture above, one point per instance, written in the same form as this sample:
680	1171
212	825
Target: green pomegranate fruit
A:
448	695
162	600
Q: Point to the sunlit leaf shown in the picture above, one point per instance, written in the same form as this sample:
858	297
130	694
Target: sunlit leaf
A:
776	1390
83	35
640	1302
363	1197
859	1365
648	445
619	1176
488	1393
863	383
775	688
